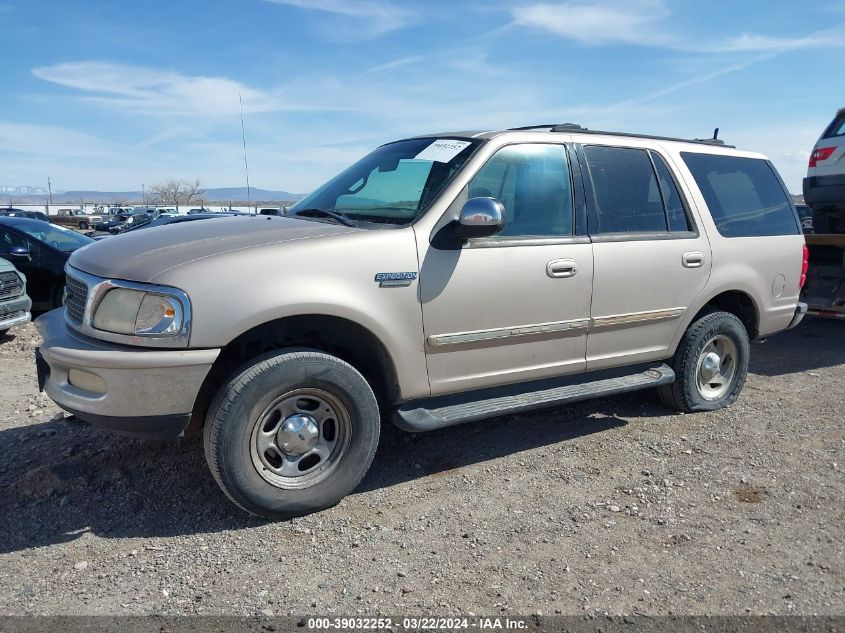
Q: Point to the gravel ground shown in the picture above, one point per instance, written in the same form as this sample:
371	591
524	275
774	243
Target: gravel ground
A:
611	506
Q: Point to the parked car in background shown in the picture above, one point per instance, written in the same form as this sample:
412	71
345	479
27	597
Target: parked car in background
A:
40	251
75	218
164	220
439	280
133	220
824	186
110	222
22	213
824	192
8	210
270	211
14	302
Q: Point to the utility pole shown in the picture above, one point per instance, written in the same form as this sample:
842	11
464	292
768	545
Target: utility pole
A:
143	195
50	189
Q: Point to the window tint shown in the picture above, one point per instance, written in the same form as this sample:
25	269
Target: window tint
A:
837	128
8	239
744	195
672	200
398	190
532	182
627	193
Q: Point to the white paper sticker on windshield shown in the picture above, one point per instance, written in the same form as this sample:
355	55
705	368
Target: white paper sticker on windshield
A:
442	150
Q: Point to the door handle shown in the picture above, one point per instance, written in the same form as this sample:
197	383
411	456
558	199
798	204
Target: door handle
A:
693	259
561	268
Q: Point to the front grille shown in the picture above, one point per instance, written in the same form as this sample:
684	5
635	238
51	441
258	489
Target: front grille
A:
10	285
12	315
76	298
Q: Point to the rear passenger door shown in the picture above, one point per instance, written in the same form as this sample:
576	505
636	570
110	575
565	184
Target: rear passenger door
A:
650	259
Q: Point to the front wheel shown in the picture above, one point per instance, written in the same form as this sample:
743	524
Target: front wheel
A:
83	225
291	433
710	365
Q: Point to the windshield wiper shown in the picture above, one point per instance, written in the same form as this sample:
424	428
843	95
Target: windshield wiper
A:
325	213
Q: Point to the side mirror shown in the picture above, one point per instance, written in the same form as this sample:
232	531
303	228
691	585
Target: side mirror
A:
20	252
480	217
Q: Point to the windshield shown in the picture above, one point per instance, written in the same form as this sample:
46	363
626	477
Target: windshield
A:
58	237
393	183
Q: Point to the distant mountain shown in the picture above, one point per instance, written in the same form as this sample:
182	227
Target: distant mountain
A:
21	190
211	195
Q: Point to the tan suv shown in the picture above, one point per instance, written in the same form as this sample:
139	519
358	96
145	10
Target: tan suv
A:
438	280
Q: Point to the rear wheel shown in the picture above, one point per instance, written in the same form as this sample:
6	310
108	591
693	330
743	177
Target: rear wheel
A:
291	433
710	365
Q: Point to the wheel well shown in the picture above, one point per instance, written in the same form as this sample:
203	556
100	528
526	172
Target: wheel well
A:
739	304
334	335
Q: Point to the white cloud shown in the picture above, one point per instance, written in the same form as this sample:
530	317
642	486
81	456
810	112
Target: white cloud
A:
645	23
396	63
153	91
374	16
633	22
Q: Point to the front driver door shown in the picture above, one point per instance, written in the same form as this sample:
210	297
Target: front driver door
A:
515	306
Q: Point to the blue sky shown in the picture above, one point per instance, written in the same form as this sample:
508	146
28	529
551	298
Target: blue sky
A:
110	95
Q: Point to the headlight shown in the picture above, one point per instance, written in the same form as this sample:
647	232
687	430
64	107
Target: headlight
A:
128	311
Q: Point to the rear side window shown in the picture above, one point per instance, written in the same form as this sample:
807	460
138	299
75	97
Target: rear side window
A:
744	195
837	128
675	212
627	193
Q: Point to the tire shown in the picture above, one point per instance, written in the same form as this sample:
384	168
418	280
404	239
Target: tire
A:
83	225
256	475
724	335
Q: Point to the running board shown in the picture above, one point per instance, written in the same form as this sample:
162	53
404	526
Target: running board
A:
443	411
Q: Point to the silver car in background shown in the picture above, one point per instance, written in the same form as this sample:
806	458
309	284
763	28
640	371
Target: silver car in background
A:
824	186
14	302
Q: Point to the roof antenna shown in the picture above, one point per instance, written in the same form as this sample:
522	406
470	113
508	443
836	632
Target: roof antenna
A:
246	164
716	134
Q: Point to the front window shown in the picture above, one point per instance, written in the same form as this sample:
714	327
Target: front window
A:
58	237
394	183
532	182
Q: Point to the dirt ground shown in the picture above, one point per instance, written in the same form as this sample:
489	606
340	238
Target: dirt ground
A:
612	506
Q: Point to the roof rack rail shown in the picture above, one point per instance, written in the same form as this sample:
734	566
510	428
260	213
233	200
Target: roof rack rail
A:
574	127
553	127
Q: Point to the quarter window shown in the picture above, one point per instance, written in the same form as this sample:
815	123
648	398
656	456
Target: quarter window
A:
532	181
744	195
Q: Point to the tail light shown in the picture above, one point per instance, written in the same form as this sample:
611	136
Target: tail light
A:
822	153
805	265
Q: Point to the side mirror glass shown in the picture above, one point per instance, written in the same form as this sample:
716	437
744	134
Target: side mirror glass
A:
21	252
480	217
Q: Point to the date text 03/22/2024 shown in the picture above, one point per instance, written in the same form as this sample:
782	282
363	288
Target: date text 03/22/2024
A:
418	623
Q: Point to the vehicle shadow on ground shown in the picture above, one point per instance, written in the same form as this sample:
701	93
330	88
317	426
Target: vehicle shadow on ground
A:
62	479
816	343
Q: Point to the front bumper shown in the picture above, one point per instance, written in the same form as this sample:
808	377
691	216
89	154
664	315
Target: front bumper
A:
140	392
15	312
